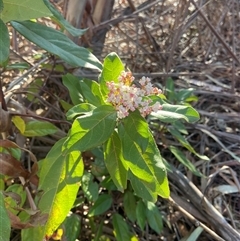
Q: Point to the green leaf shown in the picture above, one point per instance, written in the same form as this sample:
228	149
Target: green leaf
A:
72	228
5	226
141	214
185	143
180	127
183	94
79	109
195	234
98	166
154	217
18	66
145	190
4	42
103	238
74	88
171	113
73	31
2	183
57	43
121	229
34	128
108	184
191	98
89	187
145	163
102	204
91	92
39	128
92	130
133	132
60	177
114	161
24	10
1	5
65	105
183	159
21	195
129	204
138	127
112	68
170	91
98	231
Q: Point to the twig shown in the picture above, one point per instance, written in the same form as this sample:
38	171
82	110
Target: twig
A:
41	118
195	196
194	220
21	78
117	20
219	142
216	33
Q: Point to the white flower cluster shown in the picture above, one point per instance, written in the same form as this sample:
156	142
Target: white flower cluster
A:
125	96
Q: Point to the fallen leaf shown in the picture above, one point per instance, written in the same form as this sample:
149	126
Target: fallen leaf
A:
16	222
12	167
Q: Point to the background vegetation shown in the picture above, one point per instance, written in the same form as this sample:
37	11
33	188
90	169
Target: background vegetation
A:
190	50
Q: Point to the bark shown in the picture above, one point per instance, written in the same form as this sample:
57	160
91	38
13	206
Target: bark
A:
89	14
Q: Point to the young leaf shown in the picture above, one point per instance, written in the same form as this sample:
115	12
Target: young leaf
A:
4	42
5	226
171	113
114	161
185	143
121	229
73	31
57	43
59	181
154	217
89	187
91	92
92	130
145	163
39	128
129	204
102	204
182	158
19	10
112	68
74	88
19	123
141	214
